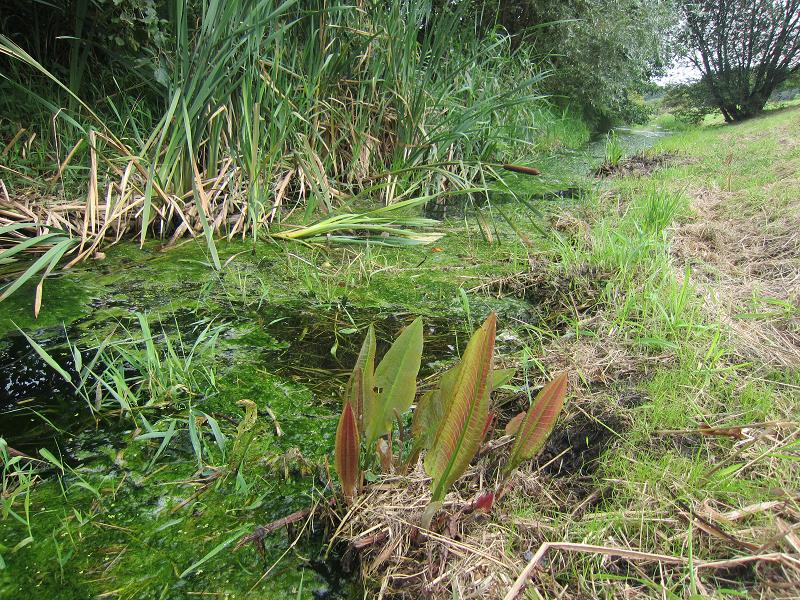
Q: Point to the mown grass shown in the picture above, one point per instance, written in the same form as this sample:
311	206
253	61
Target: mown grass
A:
687	369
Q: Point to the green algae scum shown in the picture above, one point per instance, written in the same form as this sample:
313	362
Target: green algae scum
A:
154	512
146	478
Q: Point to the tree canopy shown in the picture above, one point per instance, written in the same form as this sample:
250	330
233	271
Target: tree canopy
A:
743	48
600	54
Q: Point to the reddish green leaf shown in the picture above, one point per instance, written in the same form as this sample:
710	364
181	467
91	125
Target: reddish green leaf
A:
347	451
512	427
363	394
484	502
488	425
466	406
539	422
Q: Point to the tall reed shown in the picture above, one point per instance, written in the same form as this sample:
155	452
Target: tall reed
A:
264	106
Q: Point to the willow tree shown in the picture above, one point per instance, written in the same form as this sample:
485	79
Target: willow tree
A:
744	50
599	54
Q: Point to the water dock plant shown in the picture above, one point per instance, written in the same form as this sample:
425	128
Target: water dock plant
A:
449	423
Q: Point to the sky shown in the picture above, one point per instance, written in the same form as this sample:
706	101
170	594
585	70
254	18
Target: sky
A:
680	72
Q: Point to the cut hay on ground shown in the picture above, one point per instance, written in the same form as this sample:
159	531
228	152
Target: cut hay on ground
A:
748	268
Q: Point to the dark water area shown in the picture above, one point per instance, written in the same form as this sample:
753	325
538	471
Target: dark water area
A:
314	345
38	407
569	165
318	346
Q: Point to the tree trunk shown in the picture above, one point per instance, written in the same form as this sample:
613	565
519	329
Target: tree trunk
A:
756	104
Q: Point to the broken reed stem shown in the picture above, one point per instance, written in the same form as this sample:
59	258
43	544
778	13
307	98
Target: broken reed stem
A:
260	532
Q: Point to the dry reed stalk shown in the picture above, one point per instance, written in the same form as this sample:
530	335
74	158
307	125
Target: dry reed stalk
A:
66	161
13	141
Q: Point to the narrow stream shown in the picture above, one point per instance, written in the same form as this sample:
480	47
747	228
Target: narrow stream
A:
291	358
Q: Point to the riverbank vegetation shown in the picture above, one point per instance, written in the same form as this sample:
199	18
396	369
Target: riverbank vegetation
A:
678	438
225	119
274	381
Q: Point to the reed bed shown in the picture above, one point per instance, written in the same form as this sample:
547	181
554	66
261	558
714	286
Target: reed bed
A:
261	112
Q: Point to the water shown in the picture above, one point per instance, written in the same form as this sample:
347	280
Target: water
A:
299	345
38	407
565	166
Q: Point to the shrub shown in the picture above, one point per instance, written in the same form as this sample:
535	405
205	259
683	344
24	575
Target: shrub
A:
689	102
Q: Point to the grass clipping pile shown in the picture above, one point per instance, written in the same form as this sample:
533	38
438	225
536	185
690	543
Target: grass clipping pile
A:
464	553
638	165
748	268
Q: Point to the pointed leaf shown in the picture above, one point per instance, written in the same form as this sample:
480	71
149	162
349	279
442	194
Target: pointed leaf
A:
459	435
347	449
512	427
396	382
46	357
539	422
366	363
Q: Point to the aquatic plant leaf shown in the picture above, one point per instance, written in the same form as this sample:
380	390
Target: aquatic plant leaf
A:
194	436
362	393
430	411
467	405
501	377
214	551
430	408
420	418
219	437
47	261
347	451
512	427
488	425
423	424
250	416
538	422
395	382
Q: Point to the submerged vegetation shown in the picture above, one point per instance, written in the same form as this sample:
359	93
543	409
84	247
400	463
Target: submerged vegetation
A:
371	314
